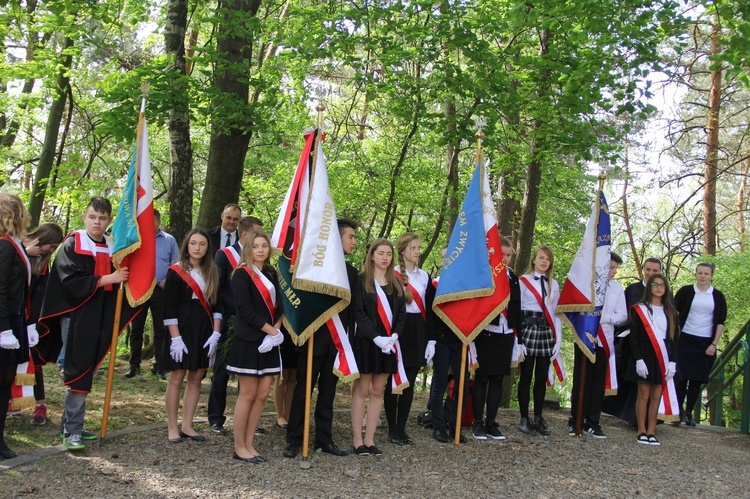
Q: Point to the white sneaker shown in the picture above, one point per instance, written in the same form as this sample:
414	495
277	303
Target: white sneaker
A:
73	442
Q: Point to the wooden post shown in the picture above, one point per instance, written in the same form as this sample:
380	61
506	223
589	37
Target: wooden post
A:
112	358
460	399
308	395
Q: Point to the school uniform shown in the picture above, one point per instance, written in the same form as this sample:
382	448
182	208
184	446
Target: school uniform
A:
15	278
257	302
186	306
370	359
641	346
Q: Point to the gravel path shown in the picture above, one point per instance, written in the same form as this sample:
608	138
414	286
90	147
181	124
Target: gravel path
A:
691	462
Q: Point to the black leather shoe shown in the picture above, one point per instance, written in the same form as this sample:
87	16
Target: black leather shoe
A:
689	421
441	436
132	372
406	439
540	425
291	451
7	454
194	438
218	429
396	440
527	427
331	448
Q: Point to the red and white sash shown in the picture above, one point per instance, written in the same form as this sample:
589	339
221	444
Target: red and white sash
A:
344	366
418	301
610	377
22	389
24	258
100	252
556	368
669	409
398	381
195	286
266	289
232	255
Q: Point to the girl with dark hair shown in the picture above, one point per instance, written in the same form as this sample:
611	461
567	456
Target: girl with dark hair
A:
653	337
40	244
415	347
703	310
380	313
194	320
255	356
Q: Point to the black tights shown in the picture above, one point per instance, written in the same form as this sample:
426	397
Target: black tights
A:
538	367
487	389
691	390
7	375
397	407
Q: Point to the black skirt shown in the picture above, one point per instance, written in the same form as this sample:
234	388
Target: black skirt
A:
494	353
195	332
652	364
413	340
370	359
692	362
246	360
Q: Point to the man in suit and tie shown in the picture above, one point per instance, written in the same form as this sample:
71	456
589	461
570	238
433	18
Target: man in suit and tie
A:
226	234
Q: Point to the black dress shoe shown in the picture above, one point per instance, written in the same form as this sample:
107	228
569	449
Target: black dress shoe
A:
540	425
177	440
291	451
218	429
194	438
132	372
441	436
406	440
7	454
253	460
331	448
396	440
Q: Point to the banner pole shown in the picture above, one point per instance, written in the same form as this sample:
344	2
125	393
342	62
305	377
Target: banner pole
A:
112	358
460	399
308	395
581	392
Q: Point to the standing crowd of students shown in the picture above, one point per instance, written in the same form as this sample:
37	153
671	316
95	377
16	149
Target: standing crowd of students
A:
219	307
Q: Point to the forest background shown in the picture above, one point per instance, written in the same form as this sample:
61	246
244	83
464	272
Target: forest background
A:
654	94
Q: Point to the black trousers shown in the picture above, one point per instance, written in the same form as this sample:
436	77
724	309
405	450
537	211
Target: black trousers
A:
217	397
593	387
447	356
138	325
7	375
322	374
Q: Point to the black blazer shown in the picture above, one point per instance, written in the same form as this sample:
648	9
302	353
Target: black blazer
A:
178	298
640	344
366	312
13	284
226	296
214	234
251	312
684	299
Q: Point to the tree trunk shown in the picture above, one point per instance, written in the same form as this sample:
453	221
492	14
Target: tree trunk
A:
231	135
180	145
51	133
742	203
451	166
712	148
533	172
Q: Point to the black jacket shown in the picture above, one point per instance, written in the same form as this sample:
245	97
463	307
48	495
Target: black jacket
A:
251	312
366	312
684	299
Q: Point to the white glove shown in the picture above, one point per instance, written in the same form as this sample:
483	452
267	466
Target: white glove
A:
8	341
671	371
33	335
177	349
524	353
266	345
212	342
640	368
384	343
429	351
605	320
472	353
556	349
278	339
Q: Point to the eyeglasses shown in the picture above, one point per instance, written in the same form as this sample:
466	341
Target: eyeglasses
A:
658	285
